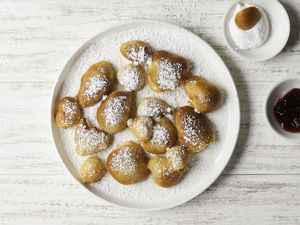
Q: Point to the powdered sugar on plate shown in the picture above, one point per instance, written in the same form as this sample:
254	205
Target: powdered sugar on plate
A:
205	63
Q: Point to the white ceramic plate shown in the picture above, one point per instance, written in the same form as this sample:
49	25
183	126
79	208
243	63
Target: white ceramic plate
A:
278	91
204	167
278	34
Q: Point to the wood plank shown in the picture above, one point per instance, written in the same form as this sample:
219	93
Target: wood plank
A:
39	29
36	40
231	200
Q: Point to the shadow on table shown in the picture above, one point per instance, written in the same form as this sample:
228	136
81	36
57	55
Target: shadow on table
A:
295	26
243	92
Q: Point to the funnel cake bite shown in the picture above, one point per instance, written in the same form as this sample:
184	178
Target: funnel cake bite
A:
137	52
90	140
95	83
164	136
128	163
166	70
204	96
162	172
132	77
178	157
92	170
153	107
114	111
68	112
141	128
194	129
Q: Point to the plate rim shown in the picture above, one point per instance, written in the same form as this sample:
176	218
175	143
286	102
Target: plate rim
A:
115	27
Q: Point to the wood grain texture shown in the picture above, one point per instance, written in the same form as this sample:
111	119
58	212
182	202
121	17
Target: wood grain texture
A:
246	199
259	186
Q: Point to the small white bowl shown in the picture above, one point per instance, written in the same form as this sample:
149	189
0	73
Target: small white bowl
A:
278	34
278	91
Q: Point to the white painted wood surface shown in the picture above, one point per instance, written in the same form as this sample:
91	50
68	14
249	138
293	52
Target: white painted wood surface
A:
260	185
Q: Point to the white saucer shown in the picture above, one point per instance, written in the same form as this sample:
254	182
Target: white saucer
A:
278	91
278	35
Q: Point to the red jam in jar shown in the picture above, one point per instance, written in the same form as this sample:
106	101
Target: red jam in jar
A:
287	111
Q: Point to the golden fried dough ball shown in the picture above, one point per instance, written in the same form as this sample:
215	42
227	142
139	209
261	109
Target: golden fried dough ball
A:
162	172
153	107
92	170
90	140
164	136
137	52
95	83
178	157
141	127
204	96
194	129
132	77
128	163
114	111
68	112
166	71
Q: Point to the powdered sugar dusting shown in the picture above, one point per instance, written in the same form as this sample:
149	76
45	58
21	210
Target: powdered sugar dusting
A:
193	129
144	126
91	140
154	108
92	168
95	85
131	78
160	136
168	74
177	156
115	109
139	55
70	110
107	48
124	160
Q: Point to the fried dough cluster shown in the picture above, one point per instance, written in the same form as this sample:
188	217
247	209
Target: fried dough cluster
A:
171	134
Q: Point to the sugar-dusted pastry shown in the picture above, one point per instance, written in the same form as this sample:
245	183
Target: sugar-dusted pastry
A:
203	95
194	129
153	107
162	172
92	170
164	136
137	52
141	127
95	83
177	156
114	111
128	163
166	70
90	140
68	112
132	77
